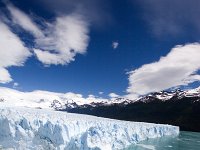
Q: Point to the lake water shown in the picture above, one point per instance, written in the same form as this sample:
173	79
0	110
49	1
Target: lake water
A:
185	141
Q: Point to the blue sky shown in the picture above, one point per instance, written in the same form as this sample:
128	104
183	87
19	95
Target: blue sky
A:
142	31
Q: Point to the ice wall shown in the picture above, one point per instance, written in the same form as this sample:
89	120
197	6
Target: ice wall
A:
26	128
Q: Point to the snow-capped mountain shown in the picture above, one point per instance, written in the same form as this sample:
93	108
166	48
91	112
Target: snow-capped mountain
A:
59	101
181	108
177	94
43	99
162	96
33	129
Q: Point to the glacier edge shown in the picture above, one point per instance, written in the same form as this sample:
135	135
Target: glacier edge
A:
28	128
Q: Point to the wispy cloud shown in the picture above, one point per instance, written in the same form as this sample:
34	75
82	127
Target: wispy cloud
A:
171	17
96	11
178	68
23	20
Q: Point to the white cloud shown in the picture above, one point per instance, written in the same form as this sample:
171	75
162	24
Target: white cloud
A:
4	76
115	45
179	67
15	85
48	58
113	95
12	52
60	41
91	96
65	38
57	44
100	93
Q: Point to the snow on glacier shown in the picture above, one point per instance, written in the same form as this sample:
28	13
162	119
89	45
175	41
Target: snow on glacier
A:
27	128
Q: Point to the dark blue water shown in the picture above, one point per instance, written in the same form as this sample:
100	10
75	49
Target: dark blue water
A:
185	141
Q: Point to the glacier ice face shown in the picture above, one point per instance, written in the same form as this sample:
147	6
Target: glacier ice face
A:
26	128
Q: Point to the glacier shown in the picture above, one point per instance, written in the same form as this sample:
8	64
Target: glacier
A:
43	129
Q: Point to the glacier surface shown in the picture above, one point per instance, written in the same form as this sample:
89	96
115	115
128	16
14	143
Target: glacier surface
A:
37	129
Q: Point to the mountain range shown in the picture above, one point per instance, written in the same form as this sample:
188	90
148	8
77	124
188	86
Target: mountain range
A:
177	107
180	108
